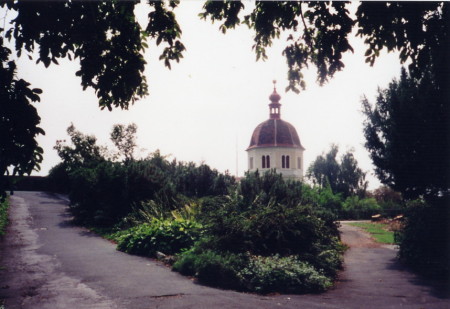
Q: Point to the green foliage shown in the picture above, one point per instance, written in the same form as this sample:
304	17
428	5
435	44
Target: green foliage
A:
319	32
265	238
166	236
425	239
344	177
311	39
261	274
270	186
378	230
267	228
356	208
407	129
3	216
58	179
104	192
111	52
124	138
418	31
200	181
83	152
389	200
109	44
211	267
325	199
104	36
19	123
407	135
265	274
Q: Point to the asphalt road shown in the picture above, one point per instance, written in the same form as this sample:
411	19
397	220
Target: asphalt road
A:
49	263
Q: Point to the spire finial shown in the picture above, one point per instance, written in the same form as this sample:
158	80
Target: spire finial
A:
274	102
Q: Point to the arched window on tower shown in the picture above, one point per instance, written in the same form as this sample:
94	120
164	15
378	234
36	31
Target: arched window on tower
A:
287	161
299	162
251	163
268	161
283	161
263	161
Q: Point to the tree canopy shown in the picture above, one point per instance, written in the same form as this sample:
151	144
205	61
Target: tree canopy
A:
110	44
407	135
124	138
344	177
19	122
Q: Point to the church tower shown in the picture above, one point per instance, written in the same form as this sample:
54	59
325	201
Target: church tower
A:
275	144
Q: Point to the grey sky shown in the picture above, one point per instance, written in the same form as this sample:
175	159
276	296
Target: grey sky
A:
206	107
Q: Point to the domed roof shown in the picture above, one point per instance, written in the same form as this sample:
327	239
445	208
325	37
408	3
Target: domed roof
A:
275	133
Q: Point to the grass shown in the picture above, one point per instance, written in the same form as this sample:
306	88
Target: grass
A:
379	231
3	217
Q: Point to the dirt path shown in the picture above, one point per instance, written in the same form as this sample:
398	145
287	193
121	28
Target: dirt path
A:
48	263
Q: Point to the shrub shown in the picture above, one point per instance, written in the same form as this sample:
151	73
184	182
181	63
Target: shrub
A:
211	267
282	274
266	229
166	236
270	186
251	273
263	247
356	208
58	179
425	239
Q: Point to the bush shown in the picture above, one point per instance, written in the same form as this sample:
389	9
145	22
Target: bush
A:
282	274
211	267
425	239
166	236
356	208
252	273
263	246
58	179
266	229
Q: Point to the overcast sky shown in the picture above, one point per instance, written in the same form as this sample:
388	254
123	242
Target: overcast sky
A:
206	108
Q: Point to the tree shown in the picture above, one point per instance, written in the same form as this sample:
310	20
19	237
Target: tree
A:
84	151
124	138
407	135
386	197
343	177
109	42
319	31
19	123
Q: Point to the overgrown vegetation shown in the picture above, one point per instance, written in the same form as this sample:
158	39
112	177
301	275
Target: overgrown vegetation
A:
265	245
379	231
263	234
3	216
424	241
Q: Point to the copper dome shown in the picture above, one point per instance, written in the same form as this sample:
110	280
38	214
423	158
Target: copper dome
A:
275	133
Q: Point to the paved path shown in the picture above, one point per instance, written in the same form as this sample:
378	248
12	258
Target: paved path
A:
48	263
